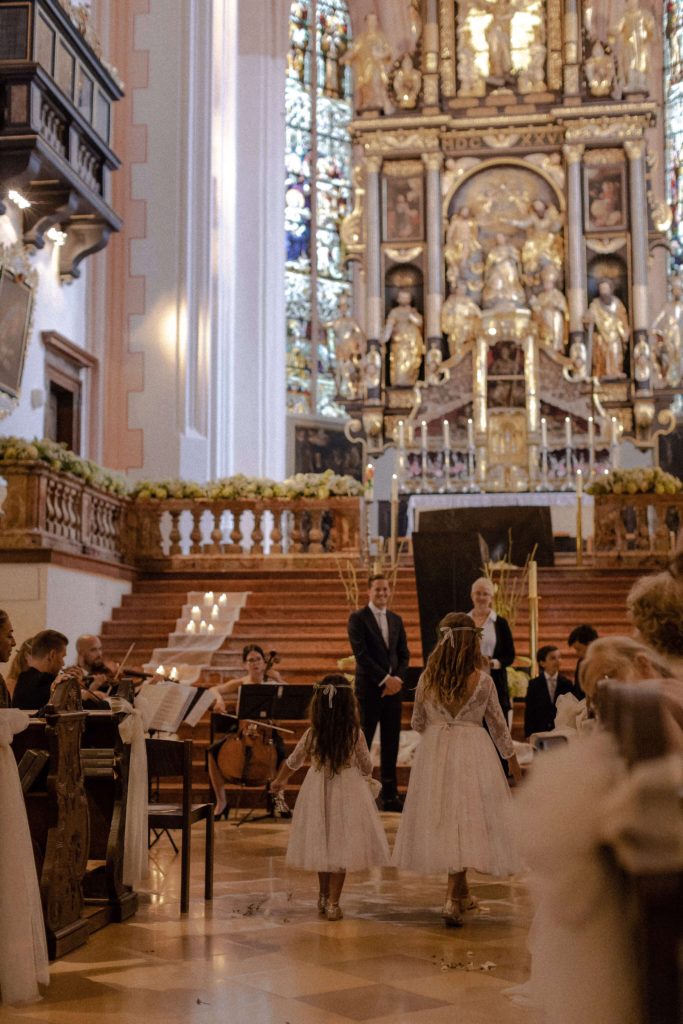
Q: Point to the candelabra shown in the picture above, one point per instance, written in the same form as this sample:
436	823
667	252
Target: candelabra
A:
544	484
446	485
568	484
471	486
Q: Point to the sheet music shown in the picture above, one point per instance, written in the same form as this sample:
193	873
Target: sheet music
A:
206	701
167	703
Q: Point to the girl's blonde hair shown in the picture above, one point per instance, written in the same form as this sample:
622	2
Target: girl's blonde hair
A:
655	605
19	663
617	657
335	722
453	660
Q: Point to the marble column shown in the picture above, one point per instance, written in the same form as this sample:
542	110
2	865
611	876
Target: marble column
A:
640	318
576	267
433	291
374	315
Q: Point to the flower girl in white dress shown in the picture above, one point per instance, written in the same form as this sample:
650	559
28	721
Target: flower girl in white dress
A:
458	811
336	826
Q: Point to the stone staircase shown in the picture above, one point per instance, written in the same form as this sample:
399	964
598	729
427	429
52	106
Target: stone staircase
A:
302	613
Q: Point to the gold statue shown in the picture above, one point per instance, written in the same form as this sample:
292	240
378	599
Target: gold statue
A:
497	34
460	320
404	332
433	361
370	57
349	351
543	244
633	37
470	79
551	311
608	329
462	251
532	78
599	71
407	83
503	288
667	349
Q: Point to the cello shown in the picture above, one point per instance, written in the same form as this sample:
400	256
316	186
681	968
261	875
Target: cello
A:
249	756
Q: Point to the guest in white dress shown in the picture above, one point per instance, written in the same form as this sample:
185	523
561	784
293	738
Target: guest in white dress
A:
336	826
458	811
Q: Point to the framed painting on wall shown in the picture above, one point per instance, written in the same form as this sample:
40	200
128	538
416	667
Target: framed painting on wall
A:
403	209
314	445
16	303
605	197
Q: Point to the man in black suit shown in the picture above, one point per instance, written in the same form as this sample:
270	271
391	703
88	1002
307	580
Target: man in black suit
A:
48	653
378	641
543	691
579	640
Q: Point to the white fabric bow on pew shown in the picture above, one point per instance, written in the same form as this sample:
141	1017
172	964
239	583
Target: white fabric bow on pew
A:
23	950
135	854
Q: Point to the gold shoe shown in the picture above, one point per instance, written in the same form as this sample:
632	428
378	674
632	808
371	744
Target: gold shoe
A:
322	904
333	912
450	912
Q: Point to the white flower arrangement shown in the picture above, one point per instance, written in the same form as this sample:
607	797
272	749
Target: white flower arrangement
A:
60	459
636	481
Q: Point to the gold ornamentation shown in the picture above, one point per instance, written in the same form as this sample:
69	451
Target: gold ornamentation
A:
599	71
554	23
667	348
416	140
604	157
406	83
608	329
607	245
447	44
551	165
430	89
633	36
403	331
433	161
402	255
402	168
522	137
635	149
573	154
351	230
501	140
625	127
373	164
371	59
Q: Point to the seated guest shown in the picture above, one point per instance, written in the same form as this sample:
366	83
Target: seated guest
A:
578	640
655	605
543	691
20	662
97	674
48	653
7	642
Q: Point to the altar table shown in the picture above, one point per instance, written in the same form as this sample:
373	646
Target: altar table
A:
562	506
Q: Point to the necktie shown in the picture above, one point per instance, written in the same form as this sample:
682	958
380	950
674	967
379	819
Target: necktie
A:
552	686
383	625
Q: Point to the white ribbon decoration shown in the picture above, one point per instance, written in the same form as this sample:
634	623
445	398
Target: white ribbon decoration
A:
135	854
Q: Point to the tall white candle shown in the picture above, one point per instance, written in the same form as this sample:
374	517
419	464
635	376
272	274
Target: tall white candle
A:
615	431
173	674
591	433
214	612
370	482
446	435
211	628
196	612
191	627
544	433
394	487
567	432
223	600
161	671
202	627
579	483
423	432
470	433
401	434
208	598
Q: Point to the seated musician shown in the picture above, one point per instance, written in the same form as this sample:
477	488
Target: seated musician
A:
35	684
98	674
258	671
7	642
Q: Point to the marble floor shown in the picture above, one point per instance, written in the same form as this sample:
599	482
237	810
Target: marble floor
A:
259	954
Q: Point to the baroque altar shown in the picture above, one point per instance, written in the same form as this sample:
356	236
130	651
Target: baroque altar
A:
503	219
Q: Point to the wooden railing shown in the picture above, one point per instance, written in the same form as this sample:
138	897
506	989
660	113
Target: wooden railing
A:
46	509
637	528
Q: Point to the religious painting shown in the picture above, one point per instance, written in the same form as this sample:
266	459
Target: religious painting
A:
505	359
321	446
16	298
605	197
403	209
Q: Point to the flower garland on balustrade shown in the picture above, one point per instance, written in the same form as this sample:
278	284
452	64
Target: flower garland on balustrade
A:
636	481
60	459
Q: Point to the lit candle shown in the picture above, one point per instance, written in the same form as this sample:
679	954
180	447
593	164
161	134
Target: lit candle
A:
423	431
211	629
579	483
191	627
567	432
446	435
544	433
370	481
202	627
470	433
401	434
533	580
173	674
208	597
411	433
223	600
215	612
394	487
615	432
196	612
161	671
591	433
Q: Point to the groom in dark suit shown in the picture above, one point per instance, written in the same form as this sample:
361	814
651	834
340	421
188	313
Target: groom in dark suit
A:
543	691
378	641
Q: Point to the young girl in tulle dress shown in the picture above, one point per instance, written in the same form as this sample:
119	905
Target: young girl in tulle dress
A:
458	811
336	826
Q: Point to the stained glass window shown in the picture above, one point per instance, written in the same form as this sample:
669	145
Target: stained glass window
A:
317	190
673	91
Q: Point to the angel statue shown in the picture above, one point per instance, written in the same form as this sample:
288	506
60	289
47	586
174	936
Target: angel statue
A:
371	60
349	350
403	330
608	329
633	36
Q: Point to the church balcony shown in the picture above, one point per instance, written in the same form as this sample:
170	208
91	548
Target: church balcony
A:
56	105
637	529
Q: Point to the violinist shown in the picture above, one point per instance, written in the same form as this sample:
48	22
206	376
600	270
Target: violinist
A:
97	673
258	670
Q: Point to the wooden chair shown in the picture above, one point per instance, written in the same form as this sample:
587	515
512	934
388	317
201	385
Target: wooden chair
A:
173	759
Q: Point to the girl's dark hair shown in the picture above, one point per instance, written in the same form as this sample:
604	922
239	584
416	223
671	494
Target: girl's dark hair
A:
248	648
335	723
453	660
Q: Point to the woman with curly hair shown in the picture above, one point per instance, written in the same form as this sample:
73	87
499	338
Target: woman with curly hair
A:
336	826
458	812
655	604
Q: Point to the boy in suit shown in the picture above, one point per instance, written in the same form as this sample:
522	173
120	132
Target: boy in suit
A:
378	641
543	691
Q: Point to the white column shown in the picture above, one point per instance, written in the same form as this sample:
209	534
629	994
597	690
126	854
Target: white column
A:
250	45
576	271
433	296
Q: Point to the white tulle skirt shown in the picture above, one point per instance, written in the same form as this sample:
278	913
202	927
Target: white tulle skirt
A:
336	825
458	812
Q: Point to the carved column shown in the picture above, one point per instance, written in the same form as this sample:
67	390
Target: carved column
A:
576	267
433	292
571	63
430	59
374	316
635	151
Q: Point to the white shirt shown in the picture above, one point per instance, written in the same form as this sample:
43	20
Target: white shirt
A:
551	682
381	618
488	637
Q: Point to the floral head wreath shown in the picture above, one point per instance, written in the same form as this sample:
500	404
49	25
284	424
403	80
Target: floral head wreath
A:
448	633
330	689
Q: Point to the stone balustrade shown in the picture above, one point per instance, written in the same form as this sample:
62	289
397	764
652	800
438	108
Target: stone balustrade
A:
637	528
48	509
